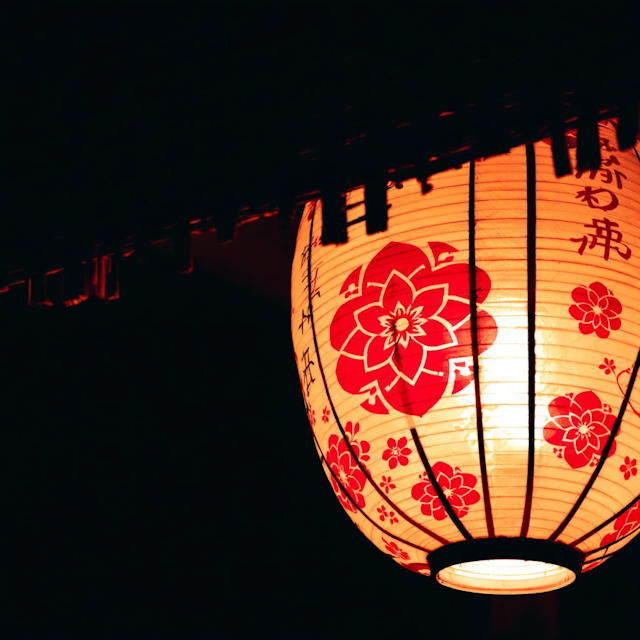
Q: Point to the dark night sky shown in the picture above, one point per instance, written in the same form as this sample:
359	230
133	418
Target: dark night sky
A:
157	474
158	478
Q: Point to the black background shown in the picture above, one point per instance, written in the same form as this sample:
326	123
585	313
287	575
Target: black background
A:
157	474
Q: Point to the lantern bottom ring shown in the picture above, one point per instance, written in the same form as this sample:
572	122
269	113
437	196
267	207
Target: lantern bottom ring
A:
506	566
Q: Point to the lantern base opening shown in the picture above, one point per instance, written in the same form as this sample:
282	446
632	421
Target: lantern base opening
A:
506	566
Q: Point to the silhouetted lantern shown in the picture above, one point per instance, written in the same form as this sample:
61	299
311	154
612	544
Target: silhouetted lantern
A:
482	428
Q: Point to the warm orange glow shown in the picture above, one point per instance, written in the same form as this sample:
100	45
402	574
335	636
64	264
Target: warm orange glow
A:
506	577
382	331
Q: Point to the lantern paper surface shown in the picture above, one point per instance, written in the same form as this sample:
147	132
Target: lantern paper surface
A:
389	329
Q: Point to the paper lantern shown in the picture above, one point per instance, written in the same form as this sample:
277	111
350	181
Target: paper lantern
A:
485	428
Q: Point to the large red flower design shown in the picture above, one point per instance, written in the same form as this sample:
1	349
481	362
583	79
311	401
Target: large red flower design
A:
579	428
344	466
456	486
596	309
624	524
403	332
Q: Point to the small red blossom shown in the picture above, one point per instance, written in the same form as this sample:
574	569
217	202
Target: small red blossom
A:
608	366
397	453
312	417
386	484
596	309
395	550
624	524
325	414
392	517
458	488
383	512
579	428
628	468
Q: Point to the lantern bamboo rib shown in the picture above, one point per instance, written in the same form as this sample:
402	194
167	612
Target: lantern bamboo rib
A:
423	457
608	521
531	321
473	306
606	546
346	492
438	489
604	557
603	455
364	470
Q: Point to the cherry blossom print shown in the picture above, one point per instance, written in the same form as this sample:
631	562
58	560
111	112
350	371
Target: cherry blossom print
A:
596	309
387	514
402	558
608	366
360	449
579	428
624	524
404	330
325	414
348	479
395	550
312	417
458	488
397	453
629	468
622	379
386	484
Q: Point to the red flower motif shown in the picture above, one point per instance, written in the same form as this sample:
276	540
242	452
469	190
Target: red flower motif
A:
386	484
628	468
596	309
392	517
456	486
608	366
397	452
383	512
624	524
312	417
579	428
361	449
403	332
350	477
395	550
325	414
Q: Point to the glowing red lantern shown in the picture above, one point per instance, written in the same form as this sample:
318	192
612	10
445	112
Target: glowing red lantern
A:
469	374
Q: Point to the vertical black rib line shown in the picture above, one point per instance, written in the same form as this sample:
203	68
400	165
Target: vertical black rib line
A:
473	304
373	522
605	452
432	478
362	468
531	328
